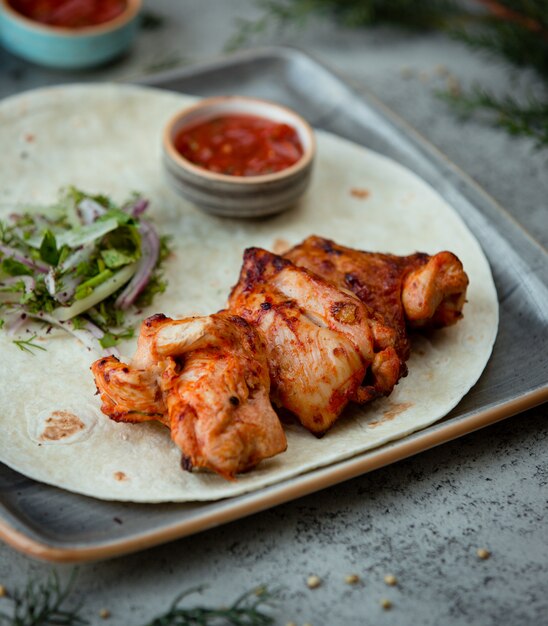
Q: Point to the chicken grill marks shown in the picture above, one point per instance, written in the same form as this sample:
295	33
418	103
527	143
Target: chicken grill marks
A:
416	291
319	339
207	379
320	327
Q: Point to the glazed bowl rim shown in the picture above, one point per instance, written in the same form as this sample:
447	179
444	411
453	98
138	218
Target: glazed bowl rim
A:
300	124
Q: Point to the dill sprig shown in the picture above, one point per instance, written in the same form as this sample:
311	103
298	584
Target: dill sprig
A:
150	20
247	610
43	604
427	14
26	345
527	119
518	31
512	40
514	29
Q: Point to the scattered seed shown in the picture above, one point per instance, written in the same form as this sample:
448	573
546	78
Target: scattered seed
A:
291	624
307	624
352	579
386	604
313	582
391	580
104	613
3	591
441	70
424	77
483	553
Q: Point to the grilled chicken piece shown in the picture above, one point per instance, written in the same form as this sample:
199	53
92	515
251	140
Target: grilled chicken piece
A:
433	294
319	340
207	379
416	291
128	394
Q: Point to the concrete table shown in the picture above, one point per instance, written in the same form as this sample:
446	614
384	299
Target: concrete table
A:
422	519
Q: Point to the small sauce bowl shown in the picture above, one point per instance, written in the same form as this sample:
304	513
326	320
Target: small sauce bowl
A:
238	196
65	47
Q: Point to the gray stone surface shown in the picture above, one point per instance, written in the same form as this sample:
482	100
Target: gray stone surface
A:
421	519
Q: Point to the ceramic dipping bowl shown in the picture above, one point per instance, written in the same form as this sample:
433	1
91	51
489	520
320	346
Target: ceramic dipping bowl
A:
238	196
64	47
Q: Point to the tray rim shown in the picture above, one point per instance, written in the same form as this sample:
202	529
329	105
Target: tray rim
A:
281	493
321	478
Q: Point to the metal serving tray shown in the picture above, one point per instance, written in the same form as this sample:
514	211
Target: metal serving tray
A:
56	525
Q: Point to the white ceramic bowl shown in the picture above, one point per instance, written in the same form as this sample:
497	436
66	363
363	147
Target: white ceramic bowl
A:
68	48
238	196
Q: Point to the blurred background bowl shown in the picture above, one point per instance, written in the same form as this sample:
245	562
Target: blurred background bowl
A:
68	47
238	196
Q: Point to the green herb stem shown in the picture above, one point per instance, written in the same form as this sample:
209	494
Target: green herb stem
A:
45	604
86	288
27	345
247	610
101	292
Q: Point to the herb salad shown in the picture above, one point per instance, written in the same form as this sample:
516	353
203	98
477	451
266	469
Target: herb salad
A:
80	265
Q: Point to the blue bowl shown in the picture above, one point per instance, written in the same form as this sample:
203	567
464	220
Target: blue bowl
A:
67	48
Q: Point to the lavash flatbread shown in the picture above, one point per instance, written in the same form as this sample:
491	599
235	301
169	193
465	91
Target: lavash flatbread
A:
106	138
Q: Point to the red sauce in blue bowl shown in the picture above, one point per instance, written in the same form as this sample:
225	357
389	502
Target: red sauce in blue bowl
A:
240	145
70	13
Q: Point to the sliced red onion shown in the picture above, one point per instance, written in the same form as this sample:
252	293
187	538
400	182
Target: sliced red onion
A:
90	335
94	330
10	253
80	255
12	297
150	249
89	210
67	282
66	288
15	321
138	207
28	281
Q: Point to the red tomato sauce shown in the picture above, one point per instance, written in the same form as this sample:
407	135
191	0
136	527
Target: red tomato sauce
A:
70	13
240	145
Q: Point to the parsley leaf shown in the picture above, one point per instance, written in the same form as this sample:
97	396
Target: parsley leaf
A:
15	268
48	248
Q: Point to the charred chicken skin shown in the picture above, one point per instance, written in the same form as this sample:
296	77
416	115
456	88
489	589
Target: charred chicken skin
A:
319	339
320	327
207	379
416	291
